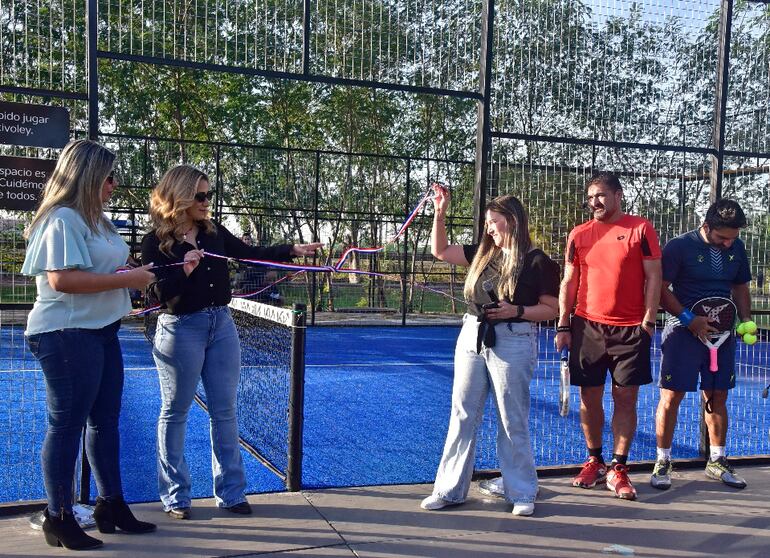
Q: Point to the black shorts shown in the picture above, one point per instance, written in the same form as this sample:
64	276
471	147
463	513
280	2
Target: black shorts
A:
597	347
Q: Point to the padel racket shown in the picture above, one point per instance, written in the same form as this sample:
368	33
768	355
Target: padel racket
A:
564	385
721	313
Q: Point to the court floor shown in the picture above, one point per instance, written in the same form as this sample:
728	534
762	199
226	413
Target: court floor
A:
376	411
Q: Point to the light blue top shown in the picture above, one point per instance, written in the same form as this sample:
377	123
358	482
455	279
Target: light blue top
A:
64	241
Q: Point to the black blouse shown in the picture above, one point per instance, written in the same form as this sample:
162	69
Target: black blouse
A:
539	276
209	283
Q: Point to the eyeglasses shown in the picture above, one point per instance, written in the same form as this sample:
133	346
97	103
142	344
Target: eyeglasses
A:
111	177
203	196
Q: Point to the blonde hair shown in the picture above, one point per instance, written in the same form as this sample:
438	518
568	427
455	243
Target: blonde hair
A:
169	202
77	182
517	243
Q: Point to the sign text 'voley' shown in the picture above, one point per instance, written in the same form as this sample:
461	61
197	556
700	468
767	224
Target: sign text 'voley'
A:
33	125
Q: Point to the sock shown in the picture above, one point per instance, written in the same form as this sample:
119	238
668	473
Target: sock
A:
618	458
597	453
664	454
717	452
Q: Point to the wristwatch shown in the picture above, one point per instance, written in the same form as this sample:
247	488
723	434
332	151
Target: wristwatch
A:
519	311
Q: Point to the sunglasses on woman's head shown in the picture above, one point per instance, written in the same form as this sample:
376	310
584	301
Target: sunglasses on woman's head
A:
203	196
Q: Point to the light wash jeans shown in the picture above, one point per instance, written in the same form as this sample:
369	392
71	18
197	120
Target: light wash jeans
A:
203	346
507	370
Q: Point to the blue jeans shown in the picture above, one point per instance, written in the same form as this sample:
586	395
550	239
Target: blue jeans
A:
188	348
506	369
83	371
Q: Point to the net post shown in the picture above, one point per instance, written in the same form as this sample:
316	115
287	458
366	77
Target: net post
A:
85	473
296	399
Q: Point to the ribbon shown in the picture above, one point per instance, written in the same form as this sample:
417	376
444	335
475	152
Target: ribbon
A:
299	269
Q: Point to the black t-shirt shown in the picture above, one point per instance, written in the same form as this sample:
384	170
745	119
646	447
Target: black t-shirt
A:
539	276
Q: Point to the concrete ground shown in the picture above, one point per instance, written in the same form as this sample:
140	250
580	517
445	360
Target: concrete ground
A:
697	517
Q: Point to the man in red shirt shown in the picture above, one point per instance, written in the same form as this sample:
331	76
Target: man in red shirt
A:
612	279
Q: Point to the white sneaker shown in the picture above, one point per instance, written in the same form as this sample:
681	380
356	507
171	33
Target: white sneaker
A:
524	508
492	487
434	503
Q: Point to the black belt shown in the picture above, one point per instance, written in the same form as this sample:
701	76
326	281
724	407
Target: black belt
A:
486	334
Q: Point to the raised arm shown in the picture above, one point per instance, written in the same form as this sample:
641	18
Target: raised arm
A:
440	247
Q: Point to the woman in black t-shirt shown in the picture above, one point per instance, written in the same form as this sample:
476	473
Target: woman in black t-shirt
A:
509	287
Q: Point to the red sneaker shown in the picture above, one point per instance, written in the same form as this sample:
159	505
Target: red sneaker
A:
618	482
592	473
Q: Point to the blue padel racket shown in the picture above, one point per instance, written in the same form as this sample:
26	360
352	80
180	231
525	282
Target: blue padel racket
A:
722	314
564	384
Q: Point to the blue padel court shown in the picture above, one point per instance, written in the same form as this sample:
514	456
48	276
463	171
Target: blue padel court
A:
377	403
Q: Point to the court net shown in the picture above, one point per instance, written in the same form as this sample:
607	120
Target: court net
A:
270	390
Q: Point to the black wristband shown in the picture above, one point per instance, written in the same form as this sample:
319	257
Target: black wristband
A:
519	311
563	329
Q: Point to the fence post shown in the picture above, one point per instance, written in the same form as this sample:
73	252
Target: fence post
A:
316	238
93	134
93	70
718	144
296	399
219	185
720	110
405	270
483	131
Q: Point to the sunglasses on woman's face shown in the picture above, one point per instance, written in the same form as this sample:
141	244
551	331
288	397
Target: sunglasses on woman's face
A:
111	178
203	196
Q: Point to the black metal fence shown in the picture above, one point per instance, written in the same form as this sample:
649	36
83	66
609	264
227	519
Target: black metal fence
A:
327	120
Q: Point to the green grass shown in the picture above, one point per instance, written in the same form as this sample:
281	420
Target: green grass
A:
17	294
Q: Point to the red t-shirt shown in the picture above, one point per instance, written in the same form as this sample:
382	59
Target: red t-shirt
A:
609	256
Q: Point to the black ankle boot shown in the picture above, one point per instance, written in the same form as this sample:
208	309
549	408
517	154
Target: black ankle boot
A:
114	512
63	530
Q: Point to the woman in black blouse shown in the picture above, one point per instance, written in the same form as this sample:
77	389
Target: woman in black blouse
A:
196	338
509	287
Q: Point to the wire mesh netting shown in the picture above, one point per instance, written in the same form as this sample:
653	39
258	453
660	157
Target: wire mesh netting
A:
558	440
425	43
22	409
606	70
262	34
747	181
577	86
748	100
42	44
671	189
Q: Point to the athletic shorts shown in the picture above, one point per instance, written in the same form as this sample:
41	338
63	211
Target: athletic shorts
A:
685	358
597	348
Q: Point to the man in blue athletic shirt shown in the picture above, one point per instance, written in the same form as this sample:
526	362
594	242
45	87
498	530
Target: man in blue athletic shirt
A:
707	262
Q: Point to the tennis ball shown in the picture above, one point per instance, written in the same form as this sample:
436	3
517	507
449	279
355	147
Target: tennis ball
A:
741	329
749	339
749	327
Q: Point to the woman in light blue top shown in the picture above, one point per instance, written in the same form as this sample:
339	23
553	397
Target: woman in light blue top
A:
75	254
